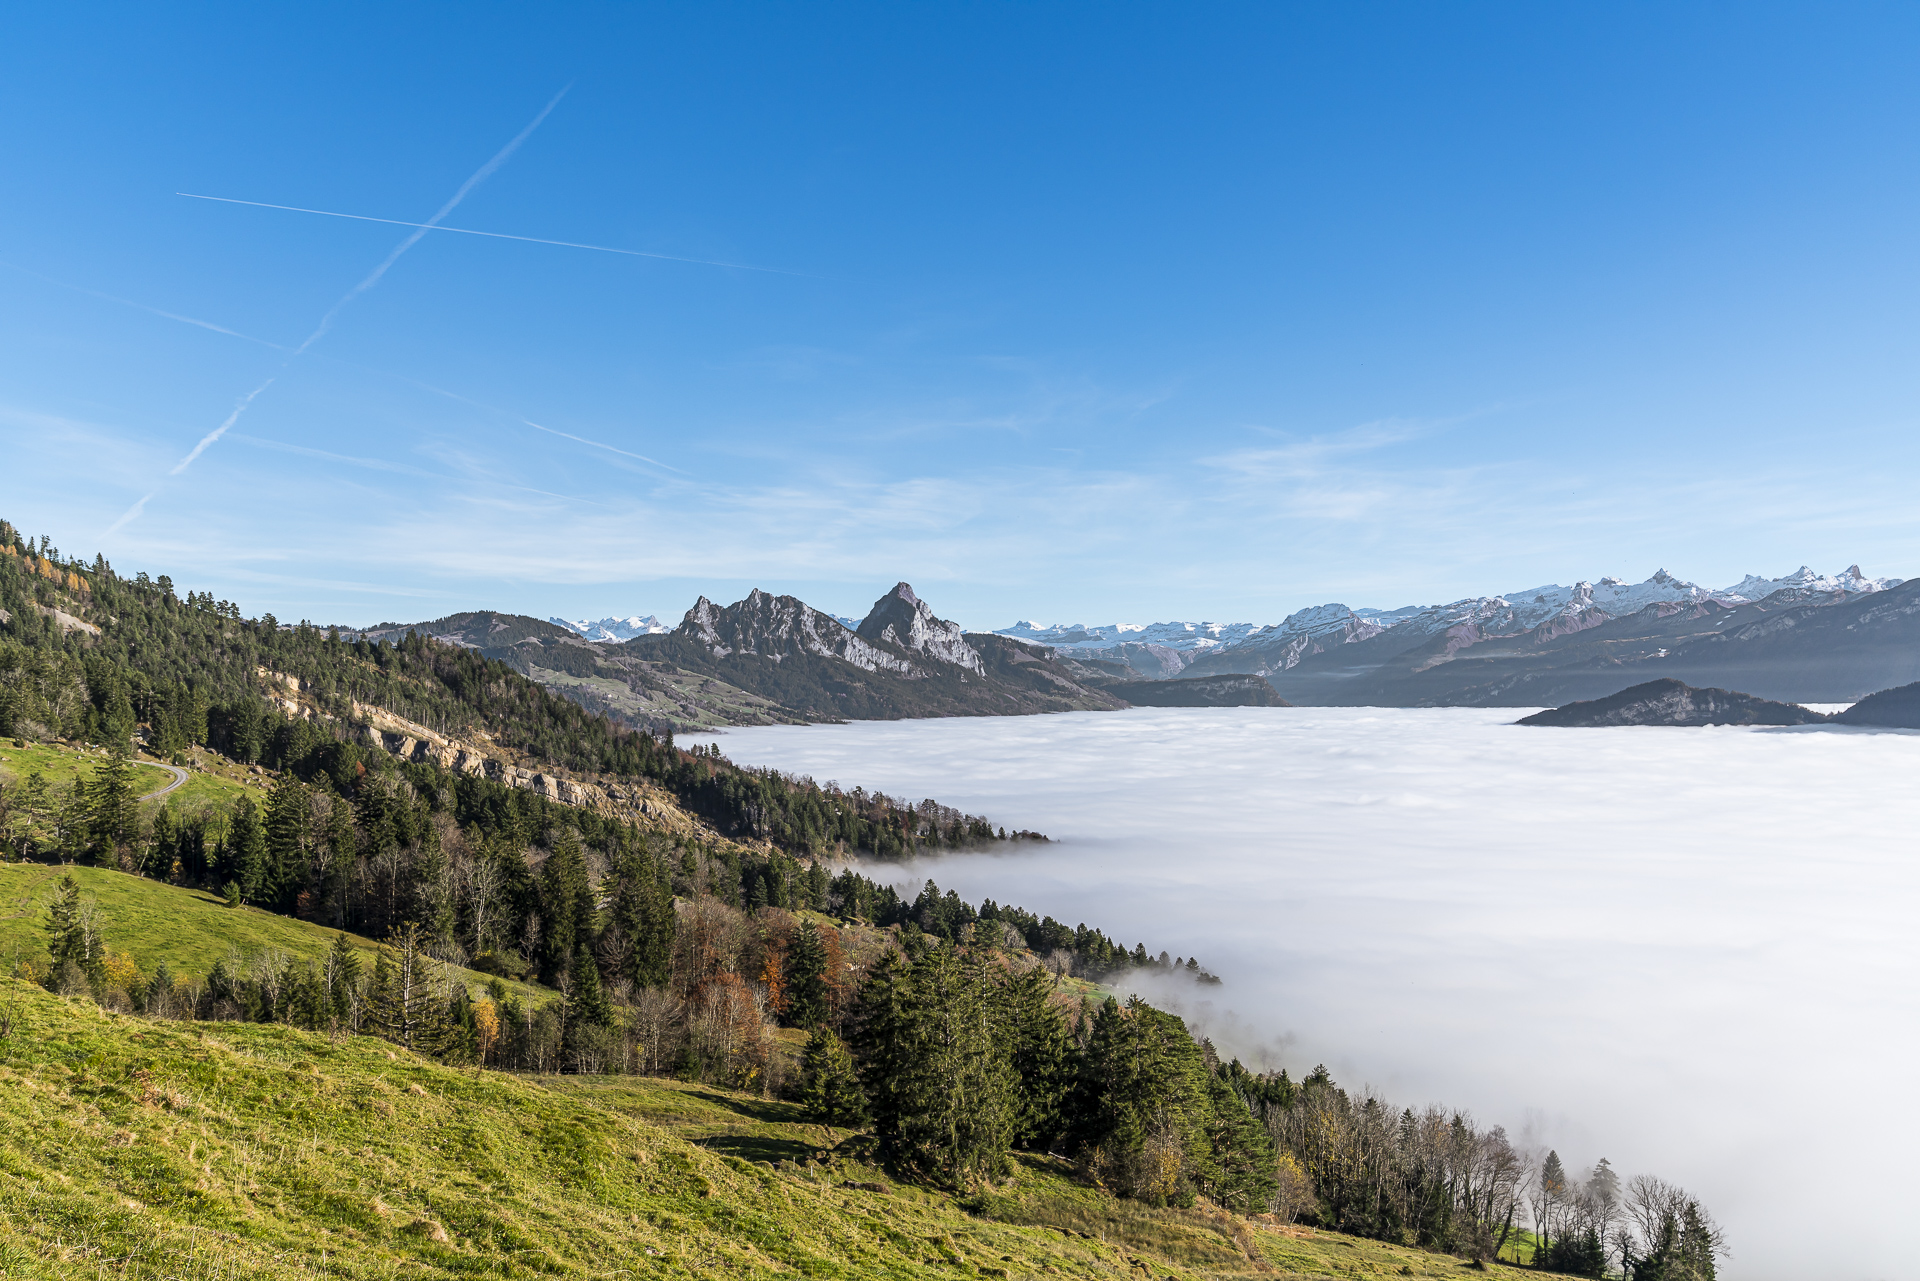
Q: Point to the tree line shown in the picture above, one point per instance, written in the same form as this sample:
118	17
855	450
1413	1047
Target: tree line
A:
189	671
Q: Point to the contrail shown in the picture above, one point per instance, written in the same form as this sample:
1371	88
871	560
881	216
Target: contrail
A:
140	306
480	175
221	430
421	229
499	235
596	444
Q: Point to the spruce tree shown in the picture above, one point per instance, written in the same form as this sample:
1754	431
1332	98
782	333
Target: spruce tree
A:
73	934
587	1004
829	1085
113	811
283	868
807	978
643	909
243	858
566	903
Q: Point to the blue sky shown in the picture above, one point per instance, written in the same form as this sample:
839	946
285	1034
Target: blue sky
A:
1079	313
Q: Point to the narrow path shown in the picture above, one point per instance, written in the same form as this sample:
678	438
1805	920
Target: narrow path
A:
179	779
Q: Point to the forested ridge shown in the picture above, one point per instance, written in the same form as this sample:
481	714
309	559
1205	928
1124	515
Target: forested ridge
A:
958	1035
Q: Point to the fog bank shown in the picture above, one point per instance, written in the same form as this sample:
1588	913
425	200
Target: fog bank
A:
1689	950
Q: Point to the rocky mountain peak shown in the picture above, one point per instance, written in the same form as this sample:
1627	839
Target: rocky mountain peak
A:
902	618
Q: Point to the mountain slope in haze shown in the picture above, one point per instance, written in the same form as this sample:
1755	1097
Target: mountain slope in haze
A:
1669	702
1799	644
1897	708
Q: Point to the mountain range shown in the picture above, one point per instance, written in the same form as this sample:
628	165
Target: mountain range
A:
1546	645
770	659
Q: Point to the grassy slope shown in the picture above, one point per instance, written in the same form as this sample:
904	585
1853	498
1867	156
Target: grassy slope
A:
214	780
154	921
62	765
142	1149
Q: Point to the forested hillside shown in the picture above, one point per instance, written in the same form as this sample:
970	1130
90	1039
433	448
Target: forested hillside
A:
965	1043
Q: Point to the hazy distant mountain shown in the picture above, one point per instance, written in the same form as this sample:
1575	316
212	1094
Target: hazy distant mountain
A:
1671	702
1163	650
1795	645
614	629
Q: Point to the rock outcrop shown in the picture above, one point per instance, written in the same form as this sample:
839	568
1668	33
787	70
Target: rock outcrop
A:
903	619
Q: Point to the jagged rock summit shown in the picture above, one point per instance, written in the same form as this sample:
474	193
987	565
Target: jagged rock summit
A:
903	619
780	627
1671	702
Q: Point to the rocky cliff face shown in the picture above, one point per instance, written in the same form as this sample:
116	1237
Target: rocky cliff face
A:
779	627
903	619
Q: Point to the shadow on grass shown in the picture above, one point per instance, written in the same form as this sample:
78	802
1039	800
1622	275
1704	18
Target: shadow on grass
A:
754	1145
765	1111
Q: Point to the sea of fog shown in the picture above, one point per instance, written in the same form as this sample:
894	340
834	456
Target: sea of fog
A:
1692	951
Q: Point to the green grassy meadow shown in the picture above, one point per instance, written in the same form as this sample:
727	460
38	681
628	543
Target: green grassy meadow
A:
153	921
146	1149
61	766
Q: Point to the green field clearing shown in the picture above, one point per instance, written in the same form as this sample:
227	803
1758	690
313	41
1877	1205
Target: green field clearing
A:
213	781
154	921
135	1148
61	766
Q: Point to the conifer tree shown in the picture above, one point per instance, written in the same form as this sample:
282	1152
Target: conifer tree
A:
587	1004
643	909
807	978
829	1085
73	933
112	808
343	982
285	836
566	902
243	857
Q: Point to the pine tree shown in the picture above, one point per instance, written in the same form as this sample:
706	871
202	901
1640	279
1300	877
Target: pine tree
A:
566	901
829	1085
806	987
283	869
113	811
587	1004
73	933
243	857
643	909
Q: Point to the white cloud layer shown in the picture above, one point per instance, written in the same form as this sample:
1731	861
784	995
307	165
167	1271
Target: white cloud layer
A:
1689	951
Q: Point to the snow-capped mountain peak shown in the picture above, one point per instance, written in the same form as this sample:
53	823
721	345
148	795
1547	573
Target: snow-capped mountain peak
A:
614	629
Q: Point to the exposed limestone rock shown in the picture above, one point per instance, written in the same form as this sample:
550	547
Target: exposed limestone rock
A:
903	619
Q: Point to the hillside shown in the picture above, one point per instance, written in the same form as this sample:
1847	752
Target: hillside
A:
1669	702
186	929
213	1150
1897	708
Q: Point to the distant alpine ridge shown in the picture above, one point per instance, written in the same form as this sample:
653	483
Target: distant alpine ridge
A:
1160	651
614	629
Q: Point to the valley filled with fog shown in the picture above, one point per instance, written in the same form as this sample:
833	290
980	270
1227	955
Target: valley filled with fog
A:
1691	951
